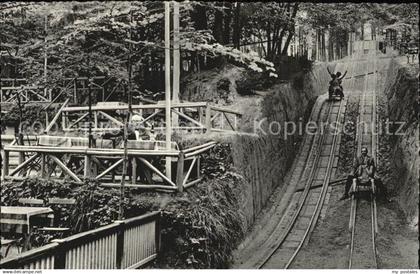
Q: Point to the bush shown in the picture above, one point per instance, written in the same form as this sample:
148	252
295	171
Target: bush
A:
95	206
202	228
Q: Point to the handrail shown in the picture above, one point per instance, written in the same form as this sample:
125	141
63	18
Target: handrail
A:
198	151
125	107
198	147
90	151
222	109
59	248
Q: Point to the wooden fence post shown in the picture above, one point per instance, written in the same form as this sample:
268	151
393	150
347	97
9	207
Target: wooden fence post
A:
5	164
87	167
120	244
180	171
157	233
60	255
134	170
208	118
43	164
198	166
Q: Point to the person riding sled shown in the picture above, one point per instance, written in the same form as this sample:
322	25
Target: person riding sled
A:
363	170
335	84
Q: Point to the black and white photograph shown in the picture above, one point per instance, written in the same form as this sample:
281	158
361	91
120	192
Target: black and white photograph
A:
161	135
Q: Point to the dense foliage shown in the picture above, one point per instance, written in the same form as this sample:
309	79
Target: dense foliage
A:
200	227
95	206
125	39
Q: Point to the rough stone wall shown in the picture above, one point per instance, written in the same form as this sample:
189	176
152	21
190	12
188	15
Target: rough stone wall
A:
263	160
401	90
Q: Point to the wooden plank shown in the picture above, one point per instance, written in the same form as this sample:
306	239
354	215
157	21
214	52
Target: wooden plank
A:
134	170
6	159
227	119
227	110
198	147
24	164
187	176
141	186
61	201
78	120
157	171
193	182
215	116
208	118
199	151
180	172
149	106
30	201
150	116
65	168
188	118
110	118
57	115
92	151
88	166
109	169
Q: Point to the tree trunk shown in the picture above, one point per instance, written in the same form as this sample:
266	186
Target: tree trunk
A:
292	29
227	21
218	25
237	26
199	17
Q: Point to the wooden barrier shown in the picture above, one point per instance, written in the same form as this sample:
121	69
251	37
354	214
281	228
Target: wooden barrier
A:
11	88
65	162
199	116
124	244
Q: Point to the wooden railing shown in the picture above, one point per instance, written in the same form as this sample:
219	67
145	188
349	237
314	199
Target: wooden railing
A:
69	159
190	116
11	88
124	244
65	88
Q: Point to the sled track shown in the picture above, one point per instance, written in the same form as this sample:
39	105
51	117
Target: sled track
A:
365	137
307	213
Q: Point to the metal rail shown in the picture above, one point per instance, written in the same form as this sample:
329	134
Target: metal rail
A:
355	200
305	193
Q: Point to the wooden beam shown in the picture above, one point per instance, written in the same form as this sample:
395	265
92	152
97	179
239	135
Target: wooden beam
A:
6	160
57	115
208	118
65	168
193	182
150	116
133	170
168	130
24	164
157	171
198	147
176	59
215	116
199	151
226	110
78	120
187	176
109	169
92	151
180	172
141	186
188	118
111	118
227	119
149	106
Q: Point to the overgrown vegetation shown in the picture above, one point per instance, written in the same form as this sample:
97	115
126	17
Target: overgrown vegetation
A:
95	206
200	227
